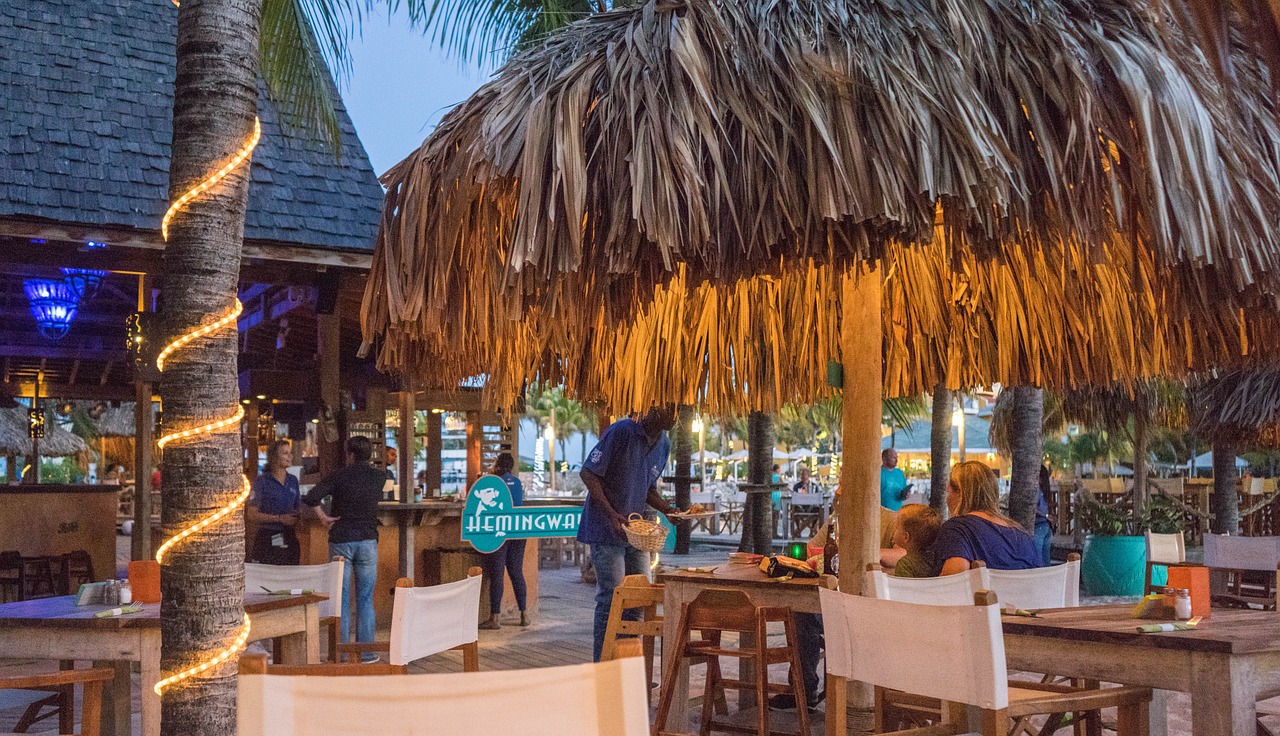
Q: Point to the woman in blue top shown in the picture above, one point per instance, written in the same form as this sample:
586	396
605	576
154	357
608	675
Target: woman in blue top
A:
977	530
509	558
273	507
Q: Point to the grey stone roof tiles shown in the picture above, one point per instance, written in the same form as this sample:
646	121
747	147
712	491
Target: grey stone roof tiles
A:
86	98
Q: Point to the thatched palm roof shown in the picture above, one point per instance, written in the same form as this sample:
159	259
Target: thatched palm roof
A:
1241	405
57	442
1059	191
116	421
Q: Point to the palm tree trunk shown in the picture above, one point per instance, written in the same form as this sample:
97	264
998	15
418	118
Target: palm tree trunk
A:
757	524
940	448
682	448
1226	502
1026	428
1140	443
202	582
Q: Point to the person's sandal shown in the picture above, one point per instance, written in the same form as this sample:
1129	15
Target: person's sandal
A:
490	625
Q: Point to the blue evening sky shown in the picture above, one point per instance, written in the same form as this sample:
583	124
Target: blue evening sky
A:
401	84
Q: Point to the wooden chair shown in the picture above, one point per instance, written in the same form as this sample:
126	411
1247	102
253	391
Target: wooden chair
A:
637	592
1163	550
709	501
61	684
1056	586
1236	557
426	621
713	613
256	664
807	513
961	663
735	501
603	699
79	566
325	579
13	579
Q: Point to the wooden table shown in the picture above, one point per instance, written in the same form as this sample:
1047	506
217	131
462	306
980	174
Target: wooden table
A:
55	628
1224	664
681	587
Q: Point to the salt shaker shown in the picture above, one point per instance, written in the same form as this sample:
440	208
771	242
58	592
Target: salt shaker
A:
1182	605
126	593
111	593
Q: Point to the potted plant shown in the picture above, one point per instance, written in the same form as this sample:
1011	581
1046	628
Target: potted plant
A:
1115	549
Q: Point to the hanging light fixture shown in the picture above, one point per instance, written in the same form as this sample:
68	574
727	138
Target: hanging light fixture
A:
53	304
84	281
35	423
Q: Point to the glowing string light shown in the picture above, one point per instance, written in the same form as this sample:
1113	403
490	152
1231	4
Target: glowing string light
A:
217	176
229	318
236	647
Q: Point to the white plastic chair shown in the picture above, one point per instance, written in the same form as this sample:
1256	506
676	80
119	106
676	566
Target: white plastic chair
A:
960	662
1056	586
325	579
604	699
951	590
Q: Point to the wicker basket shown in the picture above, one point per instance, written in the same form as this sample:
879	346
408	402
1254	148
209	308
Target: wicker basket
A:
645	535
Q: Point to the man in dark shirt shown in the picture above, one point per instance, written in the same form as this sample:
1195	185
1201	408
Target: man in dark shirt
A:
353	531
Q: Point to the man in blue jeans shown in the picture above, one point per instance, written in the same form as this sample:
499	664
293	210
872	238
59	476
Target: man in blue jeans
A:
621	476
353	532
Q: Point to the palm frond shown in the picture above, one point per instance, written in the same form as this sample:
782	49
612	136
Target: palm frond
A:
301	41
485	31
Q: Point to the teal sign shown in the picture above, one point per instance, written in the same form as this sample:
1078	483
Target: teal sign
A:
489	518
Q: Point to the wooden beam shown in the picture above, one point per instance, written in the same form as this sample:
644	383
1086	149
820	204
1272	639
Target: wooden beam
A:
75	368
8	368
106	373
19	388
150	240
329	339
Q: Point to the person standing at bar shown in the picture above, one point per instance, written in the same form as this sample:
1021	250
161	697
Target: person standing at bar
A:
508	559
621	475
893	482
353	531
273	509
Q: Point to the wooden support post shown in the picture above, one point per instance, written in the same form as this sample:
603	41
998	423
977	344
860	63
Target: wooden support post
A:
858	509
682	449
435	459
140	543
251	440
757	520
474	456
328	334
404	438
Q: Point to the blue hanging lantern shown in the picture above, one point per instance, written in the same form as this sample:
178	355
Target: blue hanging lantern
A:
53	304
84	281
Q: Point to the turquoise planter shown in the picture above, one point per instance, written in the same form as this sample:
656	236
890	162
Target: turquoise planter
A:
1113	565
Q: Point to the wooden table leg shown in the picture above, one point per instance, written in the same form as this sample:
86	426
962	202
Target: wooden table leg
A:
837	706
150	675
1158	713
673	601
303	647
1223	696
116	706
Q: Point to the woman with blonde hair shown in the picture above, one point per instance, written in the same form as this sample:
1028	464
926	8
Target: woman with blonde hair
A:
977	530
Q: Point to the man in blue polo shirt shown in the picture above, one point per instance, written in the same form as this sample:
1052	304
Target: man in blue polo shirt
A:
621	476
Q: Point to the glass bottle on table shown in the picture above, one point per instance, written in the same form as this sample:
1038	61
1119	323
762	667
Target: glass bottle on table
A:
831	550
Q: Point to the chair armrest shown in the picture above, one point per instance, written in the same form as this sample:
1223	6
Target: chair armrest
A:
56	679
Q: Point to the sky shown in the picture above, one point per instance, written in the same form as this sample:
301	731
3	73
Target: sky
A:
401	84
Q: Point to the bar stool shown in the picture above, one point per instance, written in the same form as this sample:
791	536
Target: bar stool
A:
711	614
636	591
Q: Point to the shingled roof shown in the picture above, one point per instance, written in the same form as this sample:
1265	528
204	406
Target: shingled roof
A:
86	99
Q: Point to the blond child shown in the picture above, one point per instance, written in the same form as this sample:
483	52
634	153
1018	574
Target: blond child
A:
914	530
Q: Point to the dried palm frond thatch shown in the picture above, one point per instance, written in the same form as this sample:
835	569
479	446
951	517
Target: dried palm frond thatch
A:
57	442
660	203
1240	405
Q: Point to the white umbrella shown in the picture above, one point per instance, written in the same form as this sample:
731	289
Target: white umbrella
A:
710	455
802	453
780	455
1205	462
737	456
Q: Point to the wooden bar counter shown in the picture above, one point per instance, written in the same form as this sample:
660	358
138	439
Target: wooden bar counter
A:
41	520
439	554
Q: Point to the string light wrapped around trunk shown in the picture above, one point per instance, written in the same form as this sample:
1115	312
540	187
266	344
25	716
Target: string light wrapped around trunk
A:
228	319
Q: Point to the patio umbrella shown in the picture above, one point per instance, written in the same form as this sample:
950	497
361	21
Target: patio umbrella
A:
738	456
709	456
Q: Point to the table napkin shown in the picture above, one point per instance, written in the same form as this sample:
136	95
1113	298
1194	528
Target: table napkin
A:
122	611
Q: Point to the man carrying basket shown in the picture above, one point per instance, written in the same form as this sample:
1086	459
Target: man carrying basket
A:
621	475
